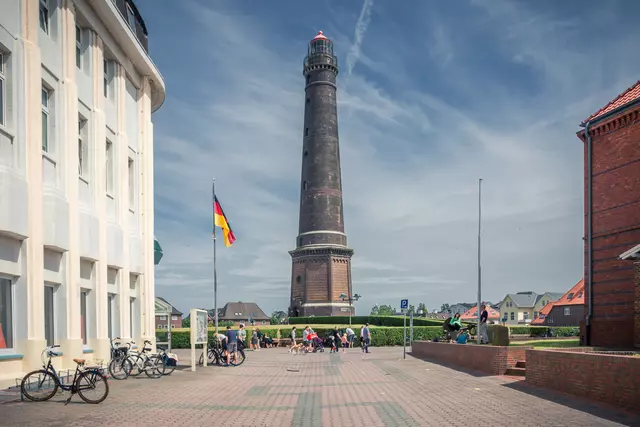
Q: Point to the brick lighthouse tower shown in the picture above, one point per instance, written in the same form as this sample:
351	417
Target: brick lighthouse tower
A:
321	269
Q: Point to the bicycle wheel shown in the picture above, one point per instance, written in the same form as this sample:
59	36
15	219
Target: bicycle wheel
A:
154	367
89	382
135	366
120	368
239	359
39	385
168	369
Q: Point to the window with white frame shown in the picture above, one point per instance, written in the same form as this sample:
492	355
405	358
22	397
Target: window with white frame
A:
3	83
132	316
83	316
6	314
46	116
82	148
109	165
132	183
131	17
49	314
44	15
174	317
111	302
567	311
106	77
78	47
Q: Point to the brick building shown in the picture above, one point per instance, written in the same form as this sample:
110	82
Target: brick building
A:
611	139
163	308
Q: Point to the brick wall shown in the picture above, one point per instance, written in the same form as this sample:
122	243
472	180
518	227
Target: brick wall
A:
602	378
492	360
616	226
637	305
317	279
340	278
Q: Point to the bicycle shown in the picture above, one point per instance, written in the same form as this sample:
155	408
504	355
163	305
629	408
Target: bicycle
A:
84	379
152	365
120	366
169	362
215	353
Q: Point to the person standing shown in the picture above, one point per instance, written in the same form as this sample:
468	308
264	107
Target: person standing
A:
293	339
254	340
242	336
232	344
365	334
484	337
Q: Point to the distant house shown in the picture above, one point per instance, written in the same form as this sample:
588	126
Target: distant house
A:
165	313
458	308
243	312
567	311
471	315
522	308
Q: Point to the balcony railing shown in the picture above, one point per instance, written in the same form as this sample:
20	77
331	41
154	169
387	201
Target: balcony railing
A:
135	22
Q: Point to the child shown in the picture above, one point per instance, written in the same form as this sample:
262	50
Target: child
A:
345	342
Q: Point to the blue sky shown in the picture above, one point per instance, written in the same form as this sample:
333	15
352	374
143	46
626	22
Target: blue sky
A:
432	96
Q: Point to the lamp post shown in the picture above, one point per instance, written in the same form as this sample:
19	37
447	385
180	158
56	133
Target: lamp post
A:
344	297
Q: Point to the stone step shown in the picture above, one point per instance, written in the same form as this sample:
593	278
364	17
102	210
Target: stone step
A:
516	372
521	364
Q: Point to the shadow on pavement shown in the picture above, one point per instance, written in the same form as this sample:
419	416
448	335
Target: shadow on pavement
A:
472	372
599	410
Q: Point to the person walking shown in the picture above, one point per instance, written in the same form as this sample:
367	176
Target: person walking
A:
365	334
232	344
254	340
242	336
484	337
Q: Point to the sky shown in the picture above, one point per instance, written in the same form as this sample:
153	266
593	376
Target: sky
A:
432	96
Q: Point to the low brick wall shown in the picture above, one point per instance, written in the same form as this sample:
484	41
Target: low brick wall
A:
489	359
604	378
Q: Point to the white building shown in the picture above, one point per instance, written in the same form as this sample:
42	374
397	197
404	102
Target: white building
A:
77	89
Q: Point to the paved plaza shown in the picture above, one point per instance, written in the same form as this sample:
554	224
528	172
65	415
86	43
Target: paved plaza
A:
274	388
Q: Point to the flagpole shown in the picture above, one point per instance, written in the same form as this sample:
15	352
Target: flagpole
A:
479	265
215	272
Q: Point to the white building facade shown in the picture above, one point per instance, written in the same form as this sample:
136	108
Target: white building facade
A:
77	89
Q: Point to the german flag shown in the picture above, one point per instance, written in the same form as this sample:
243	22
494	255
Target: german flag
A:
220	220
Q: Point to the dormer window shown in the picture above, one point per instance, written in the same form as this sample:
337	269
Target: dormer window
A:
131	17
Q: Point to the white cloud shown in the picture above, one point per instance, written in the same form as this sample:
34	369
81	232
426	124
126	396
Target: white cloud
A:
410	160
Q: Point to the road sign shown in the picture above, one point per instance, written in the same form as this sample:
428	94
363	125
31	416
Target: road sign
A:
404	304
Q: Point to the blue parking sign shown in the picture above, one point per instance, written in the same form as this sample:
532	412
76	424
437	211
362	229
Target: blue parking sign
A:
404	304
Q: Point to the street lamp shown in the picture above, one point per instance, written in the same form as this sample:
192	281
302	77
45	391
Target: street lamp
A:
344	297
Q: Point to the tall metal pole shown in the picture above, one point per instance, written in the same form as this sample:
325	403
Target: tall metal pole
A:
215	272
479	265
350	309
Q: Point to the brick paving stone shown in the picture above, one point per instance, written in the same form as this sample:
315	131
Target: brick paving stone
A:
274	388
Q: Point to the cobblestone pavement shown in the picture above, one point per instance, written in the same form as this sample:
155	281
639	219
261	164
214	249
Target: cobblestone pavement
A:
274	388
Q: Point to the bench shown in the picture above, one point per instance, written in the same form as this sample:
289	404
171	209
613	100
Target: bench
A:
282	342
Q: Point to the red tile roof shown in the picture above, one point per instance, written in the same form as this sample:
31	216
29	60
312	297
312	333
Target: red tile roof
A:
577	298
472	314
629	95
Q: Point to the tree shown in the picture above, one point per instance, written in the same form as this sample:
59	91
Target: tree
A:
382	310
412	309
186	323
278	317
444	308
422	308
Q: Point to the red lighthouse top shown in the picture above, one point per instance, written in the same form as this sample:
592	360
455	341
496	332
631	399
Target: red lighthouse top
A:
320	36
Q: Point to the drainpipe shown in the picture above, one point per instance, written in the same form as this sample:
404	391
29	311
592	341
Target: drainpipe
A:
589	142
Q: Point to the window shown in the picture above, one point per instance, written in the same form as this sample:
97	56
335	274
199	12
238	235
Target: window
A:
49	317
308	79
132	303
6	314
111	301
163	318
83	316
105	81
513	316
131	17
78	47
3	79
132	184
306	153
535	314
570	297
308	100
567	311
82	166
46	98
174	317
44	15
305	185
306	131
109	167
526	315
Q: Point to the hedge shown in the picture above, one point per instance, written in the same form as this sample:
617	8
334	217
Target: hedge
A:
361	320
538	331
380	336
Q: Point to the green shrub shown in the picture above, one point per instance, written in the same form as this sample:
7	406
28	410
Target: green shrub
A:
361	320
538	331
380	336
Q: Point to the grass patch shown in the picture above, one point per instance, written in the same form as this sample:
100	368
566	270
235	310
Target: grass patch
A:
548	343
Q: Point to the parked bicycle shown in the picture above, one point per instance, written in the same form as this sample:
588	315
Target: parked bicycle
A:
170	360
120	366
217	354
151	364
47	381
